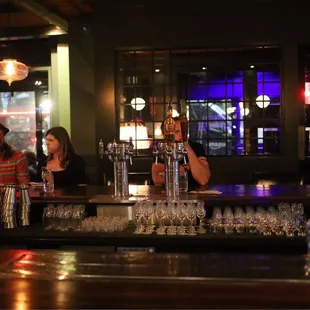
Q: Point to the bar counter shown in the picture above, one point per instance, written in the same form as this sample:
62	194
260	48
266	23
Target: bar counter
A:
76	280
242	193
100	199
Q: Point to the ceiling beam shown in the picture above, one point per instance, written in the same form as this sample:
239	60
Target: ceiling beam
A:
43	12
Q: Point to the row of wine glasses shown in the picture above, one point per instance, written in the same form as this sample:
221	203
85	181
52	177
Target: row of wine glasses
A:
63	217
108	224
180	216
285	219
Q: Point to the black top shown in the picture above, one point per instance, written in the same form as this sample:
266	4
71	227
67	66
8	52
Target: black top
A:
200	152
73	175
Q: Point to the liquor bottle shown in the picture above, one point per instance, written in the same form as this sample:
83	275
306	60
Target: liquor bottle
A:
169	126
184	121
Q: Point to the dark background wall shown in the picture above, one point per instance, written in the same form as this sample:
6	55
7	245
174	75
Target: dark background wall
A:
82	93
122	24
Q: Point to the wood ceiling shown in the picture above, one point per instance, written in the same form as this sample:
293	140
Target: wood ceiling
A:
16	14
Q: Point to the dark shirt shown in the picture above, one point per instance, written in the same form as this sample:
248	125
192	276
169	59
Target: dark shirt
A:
73	175
200	152
33	173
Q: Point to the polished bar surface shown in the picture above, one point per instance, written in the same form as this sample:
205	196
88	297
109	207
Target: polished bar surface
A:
61	279
97	194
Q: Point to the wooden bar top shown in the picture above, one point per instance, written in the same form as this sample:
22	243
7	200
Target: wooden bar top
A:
88	280
102	195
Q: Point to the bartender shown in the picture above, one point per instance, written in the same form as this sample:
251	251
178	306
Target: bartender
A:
197	165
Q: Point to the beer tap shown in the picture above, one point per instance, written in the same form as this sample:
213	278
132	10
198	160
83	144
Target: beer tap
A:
155	153
120	152
184	127
130	150
169	152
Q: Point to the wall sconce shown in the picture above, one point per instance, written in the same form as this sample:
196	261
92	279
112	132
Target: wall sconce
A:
137	103
262	101
138	132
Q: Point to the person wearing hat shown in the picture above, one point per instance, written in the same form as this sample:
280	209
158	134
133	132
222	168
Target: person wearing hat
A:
13	164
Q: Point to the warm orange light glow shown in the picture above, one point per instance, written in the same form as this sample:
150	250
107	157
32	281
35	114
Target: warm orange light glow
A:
11	70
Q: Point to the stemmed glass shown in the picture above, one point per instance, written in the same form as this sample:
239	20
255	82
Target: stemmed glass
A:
228	217
201	213
160	212
298	213
239	216
48	216
217	220
171	214
191	215
148	213
138	212
251	219
181	214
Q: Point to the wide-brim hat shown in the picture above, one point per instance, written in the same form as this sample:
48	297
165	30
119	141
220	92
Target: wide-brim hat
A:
4	129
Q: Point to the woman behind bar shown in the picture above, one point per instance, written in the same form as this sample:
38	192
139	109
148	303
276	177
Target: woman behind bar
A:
197	164
67	167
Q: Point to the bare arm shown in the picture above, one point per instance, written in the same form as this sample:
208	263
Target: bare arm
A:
199	167
158	173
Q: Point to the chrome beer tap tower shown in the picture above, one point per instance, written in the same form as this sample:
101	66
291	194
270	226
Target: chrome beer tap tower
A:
171	154
172	151
120	153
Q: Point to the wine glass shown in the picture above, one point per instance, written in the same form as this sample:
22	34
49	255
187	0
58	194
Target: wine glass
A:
181	214
160	212
171	214
201	213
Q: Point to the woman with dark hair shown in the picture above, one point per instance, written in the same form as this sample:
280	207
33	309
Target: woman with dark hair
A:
67	167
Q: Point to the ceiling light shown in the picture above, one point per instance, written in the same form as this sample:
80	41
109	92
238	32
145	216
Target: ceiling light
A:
55	31
11	70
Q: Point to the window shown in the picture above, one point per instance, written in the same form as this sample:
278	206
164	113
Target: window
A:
233	97
25	110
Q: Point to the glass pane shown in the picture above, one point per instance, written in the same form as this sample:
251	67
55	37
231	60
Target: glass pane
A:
144	69
217	129
235	129
198	130
235	147
217	147
126	68
18	114
161	67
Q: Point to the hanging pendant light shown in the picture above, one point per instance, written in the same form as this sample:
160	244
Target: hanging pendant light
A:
12	70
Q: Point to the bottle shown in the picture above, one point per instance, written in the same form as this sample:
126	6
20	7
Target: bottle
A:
184	121
169	126
48	180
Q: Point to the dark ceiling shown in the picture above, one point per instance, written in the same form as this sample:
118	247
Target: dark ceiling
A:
17	14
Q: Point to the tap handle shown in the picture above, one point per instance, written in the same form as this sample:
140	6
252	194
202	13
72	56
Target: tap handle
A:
101	149
130	160
184	127
155	152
